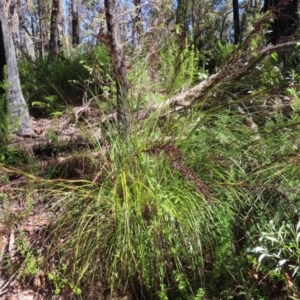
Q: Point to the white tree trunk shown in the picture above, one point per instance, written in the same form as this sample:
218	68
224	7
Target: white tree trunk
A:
16	104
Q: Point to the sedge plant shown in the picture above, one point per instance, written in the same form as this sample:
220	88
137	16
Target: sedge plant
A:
142	229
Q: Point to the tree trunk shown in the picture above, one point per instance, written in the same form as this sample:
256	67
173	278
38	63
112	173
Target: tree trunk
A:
181	22
138	21
286	19
236	21
54	31
22	29
34	36
43	34
75	23
2	59
61	22
113	25
17	108
14	24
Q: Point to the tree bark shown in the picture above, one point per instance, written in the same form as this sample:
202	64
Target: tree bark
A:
14	24
43	34
138	20
22	29
61	22
17	108
181	22
113	25
54	31
236	21
2	59
75	23
34	36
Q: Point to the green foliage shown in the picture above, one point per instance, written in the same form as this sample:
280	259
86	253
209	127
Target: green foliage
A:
185	68
49	86
144	229
141	230
59	282
279	252
12	156
30	262
175	67
151	231
174	205
252	175
200	295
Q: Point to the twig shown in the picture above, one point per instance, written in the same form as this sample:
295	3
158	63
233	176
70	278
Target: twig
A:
3	288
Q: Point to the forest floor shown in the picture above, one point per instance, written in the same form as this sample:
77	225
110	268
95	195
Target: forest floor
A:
28	212
58	151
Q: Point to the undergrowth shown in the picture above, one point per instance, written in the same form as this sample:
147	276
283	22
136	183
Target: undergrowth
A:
172	218
169	211
142	220
75	80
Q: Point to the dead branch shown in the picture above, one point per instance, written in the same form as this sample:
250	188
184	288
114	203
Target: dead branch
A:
239	67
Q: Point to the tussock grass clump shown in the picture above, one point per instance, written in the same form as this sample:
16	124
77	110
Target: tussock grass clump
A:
142	230
169	211
253	176
169	217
